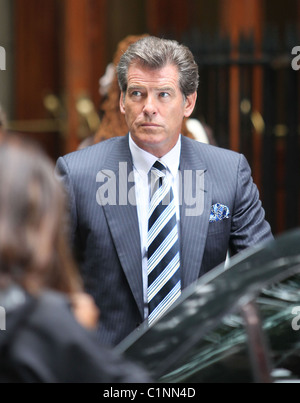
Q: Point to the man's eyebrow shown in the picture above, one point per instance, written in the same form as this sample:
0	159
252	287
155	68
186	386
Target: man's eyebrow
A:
165	89
135	87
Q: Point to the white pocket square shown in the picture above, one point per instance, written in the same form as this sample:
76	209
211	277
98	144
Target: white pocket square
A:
218	212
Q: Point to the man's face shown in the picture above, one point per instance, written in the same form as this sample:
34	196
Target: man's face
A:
154	107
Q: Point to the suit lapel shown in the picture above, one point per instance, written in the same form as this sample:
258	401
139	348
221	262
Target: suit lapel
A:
122	216
196	197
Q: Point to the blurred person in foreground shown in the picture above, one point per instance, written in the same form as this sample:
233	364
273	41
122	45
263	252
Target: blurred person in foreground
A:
129	265
50	323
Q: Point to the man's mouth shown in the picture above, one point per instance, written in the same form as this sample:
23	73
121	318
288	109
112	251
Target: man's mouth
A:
148	124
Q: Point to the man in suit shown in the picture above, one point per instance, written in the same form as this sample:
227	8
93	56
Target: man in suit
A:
216	204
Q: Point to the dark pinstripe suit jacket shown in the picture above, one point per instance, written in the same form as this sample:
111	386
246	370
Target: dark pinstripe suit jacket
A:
106	236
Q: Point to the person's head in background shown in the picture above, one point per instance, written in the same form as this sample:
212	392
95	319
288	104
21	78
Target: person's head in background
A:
112	121
34	250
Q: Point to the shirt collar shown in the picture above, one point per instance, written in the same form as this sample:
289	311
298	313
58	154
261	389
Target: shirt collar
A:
143	161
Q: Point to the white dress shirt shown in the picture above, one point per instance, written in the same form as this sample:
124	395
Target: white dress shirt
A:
142	164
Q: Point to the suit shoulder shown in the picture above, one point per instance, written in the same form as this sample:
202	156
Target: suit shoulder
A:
211	152
94	156
98	149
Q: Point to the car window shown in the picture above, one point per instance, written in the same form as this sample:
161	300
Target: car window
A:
205	337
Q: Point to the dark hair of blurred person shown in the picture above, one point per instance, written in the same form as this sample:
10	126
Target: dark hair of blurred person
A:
43	340
33	247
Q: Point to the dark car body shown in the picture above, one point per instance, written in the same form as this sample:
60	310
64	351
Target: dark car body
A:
235	324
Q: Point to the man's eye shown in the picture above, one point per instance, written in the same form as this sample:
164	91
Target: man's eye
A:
136	93
164	94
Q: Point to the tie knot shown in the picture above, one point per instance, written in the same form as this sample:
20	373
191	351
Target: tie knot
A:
159	169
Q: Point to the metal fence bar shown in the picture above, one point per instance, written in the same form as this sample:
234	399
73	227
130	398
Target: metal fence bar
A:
273	149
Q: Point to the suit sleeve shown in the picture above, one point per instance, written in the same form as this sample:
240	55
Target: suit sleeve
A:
249	226
62	172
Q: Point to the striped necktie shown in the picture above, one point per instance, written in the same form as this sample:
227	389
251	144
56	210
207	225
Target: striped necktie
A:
164	285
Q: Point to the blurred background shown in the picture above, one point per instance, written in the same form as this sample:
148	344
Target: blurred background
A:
57	50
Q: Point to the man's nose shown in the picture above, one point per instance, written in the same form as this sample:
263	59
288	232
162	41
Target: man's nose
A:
150	106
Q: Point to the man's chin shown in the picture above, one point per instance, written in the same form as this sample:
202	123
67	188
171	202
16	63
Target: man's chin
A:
156	144
152	139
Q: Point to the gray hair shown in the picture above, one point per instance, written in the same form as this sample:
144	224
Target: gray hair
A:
156	53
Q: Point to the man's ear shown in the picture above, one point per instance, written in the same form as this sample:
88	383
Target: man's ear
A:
122	104
190	103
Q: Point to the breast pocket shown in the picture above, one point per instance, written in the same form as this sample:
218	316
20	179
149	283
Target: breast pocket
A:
219	227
